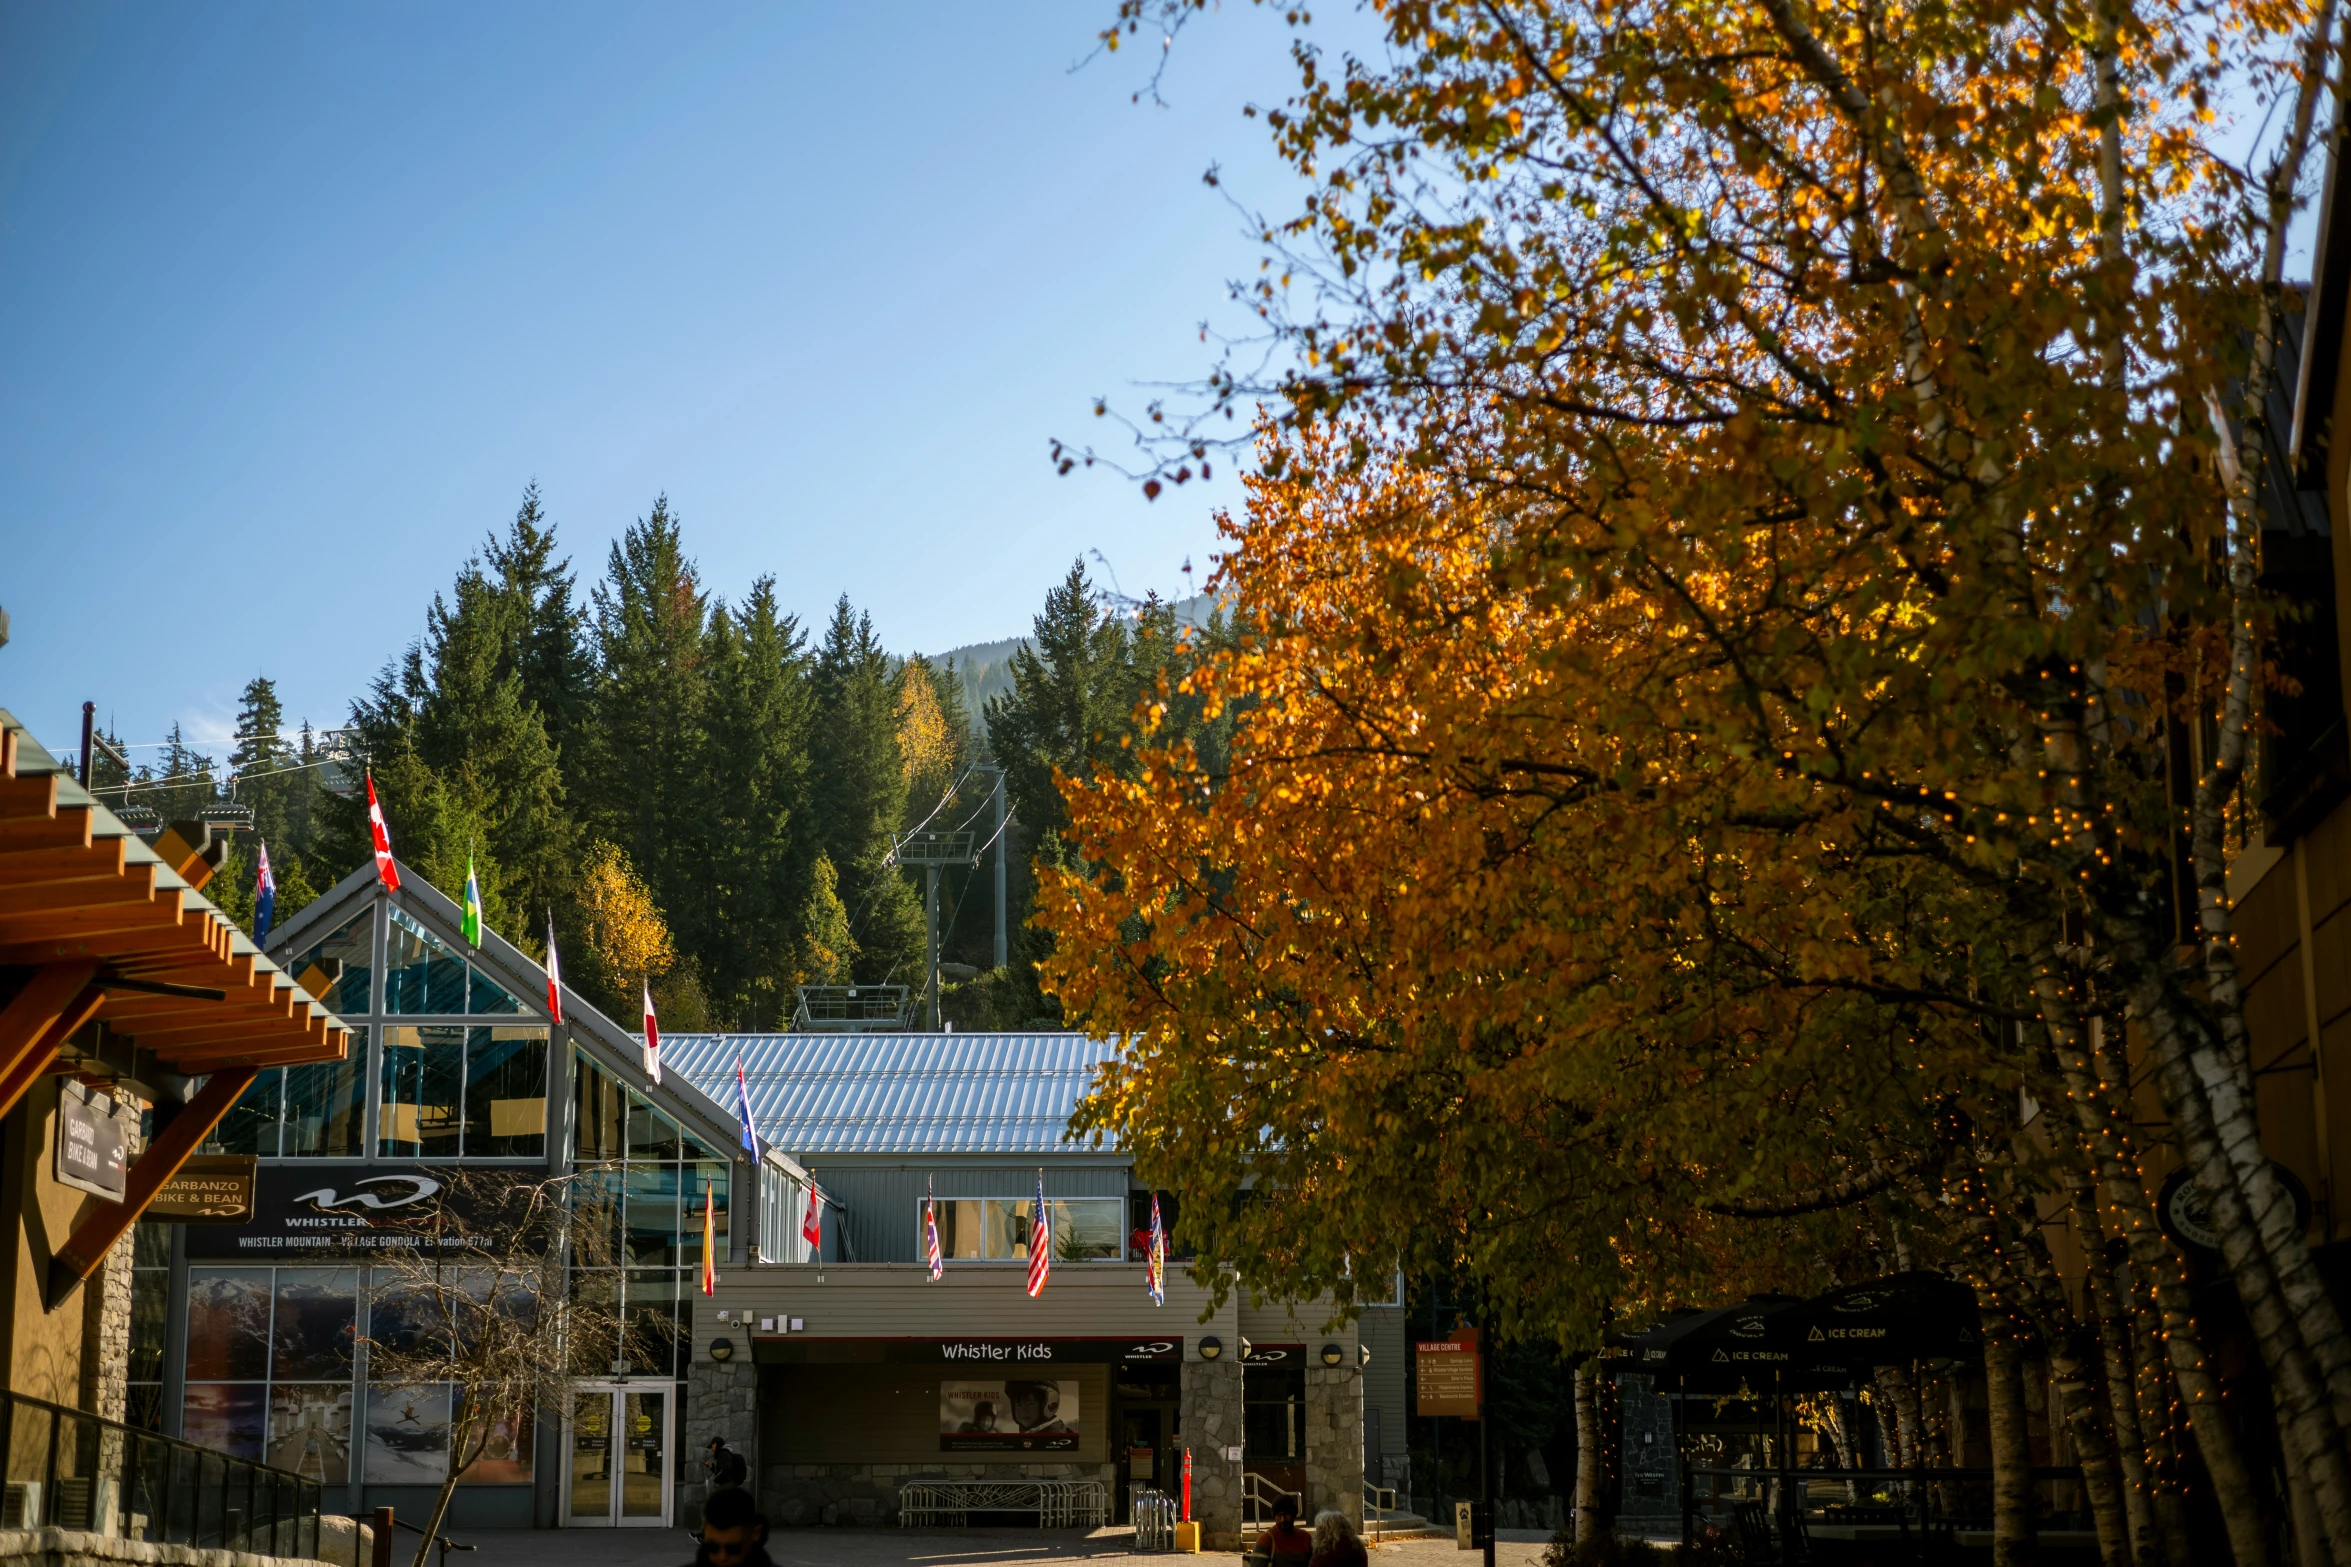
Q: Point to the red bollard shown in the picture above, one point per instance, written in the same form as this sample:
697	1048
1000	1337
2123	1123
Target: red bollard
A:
1187	1485
383	1539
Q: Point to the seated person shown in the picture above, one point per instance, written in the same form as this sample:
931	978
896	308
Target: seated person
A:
1285	1544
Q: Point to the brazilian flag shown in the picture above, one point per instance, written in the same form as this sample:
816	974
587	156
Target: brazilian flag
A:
473	903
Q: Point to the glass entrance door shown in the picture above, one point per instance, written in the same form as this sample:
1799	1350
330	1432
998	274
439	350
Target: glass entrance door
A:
617	1443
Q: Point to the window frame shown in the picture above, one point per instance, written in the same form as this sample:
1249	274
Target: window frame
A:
1018	1257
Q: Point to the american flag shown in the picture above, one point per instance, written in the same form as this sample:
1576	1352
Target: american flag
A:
389	872
1040	1243
1155	1259
930	1235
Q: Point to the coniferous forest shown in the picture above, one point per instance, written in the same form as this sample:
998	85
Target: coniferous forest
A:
700	791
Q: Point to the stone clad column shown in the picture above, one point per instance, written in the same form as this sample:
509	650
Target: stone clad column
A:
722	1399
1334	1439
1211	1416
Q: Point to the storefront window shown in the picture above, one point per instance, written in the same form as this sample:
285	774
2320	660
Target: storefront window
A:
1273	1411
251	1126
703	1179
352	948
150	1313
407	1435
421	973
485	996
653	1214
1087	1229
325	1104
506	1092
423	1085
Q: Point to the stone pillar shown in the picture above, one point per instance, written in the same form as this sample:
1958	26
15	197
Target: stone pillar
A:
106	1303
1211	1415
722	1399
1334	1440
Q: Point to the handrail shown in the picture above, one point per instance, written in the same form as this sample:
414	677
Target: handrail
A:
447	1544
1257	1489
69	1469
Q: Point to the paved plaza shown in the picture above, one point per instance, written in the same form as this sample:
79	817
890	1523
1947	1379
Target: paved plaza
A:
896	1548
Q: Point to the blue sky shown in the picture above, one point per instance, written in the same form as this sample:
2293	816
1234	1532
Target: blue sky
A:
294	299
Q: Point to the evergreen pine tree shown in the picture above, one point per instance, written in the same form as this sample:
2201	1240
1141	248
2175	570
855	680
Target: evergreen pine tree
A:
642	762
546	644
859	796
757	776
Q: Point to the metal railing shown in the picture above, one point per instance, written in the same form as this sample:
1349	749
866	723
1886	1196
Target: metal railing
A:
1258	1494
64	1469
1058	1504
1155	1521
1379	1505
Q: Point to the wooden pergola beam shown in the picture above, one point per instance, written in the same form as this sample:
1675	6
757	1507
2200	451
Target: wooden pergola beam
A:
68	827
33	867
86	1249
22	1067
109	891
106	920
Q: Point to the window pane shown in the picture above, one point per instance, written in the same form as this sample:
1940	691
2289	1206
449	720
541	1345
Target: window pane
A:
700	1178
652	1135
150	1303
424	1072
226	1416
143	1407
325	1104
961	1229
352	946
485	994
228	1325
399	1319
421	974
251	1126
506	1455
1005	1225
407	1435
1086	1229
596	1196
653	1305
653	1214
603	1112
150	1244
317	1313
310	1430
506	1093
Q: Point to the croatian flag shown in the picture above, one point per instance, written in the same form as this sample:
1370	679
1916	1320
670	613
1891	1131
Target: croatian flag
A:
653	1038
750	1137
1155	1260
554	973
385	869
1040	1243
265	900
930	1236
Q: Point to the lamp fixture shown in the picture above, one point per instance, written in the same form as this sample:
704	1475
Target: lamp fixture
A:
1363	1354
722	1349
1332	1354
1211	1347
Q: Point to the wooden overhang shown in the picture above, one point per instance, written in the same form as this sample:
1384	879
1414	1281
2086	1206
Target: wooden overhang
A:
97	926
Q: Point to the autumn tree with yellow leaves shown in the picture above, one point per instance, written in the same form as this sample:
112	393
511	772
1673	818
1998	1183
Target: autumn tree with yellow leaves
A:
1757	489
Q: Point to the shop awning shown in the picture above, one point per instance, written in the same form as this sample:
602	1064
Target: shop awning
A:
98	926
1831	1340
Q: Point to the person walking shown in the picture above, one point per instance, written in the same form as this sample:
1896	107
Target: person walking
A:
734	1533
725	1465
1336	1544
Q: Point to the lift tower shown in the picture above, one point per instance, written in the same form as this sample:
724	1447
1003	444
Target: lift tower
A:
931	853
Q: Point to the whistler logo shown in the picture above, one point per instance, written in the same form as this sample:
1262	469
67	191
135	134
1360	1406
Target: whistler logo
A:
966	1350
404	1191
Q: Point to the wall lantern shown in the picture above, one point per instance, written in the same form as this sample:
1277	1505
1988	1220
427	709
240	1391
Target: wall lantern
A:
1332	1354
1363	1354
1210	1348
722	1349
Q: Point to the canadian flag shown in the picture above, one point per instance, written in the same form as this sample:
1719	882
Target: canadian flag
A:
652	1037
812	1222
383	839
555	975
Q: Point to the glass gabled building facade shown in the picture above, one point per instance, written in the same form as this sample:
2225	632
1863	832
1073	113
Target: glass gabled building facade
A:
249	1337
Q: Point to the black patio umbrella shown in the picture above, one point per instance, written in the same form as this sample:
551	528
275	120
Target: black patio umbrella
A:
1884	1322
1758	1345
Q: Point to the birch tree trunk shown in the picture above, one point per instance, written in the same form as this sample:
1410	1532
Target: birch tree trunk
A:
1587	1454
2121	1384
2014	1544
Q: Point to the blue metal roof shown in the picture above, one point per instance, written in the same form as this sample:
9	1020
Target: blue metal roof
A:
899	1093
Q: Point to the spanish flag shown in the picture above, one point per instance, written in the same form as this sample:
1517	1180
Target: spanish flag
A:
709	1242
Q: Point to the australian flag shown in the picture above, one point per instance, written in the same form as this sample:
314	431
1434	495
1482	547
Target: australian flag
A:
265	900
750	1138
